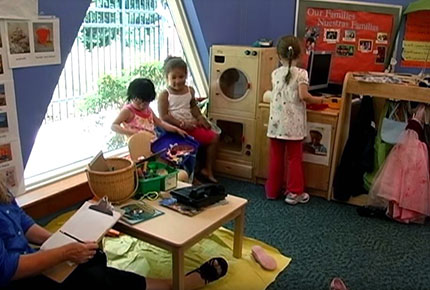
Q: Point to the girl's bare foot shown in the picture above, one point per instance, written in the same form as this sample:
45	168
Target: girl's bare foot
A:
208	176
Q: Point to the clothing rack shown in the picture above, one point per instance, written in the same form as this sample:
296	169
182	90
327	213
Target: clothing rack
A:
408	91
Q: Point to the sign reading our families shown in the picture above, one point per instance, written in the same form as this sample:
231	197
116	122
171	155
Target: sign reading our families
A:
340	19
359	40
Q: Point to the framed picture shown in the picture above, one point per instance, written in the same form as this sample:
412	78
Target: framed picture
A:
317	144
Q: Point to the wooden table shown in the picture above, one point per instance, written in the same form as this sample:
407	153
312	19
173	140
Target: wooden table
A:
176	232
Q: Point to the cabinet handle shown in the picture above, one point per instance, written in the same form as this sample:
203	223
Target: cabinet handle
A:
265	125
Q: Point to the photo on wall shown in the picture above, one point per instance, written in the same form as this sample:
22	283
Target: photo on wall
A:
4	127
331	35
9	176
365	45
381	54
43	37
5	153
349	35
2	95
316	146
381	38
18	37
345	50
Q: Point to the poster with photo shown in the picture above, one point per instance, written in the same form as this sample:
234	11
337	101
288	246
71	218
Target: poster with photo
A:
10	147
9	175
46	41
5	71
316	146
31	43
11	165
8	118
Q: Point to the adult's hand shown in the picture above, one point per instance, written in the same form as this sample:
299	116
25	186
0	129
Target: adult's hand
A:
80	252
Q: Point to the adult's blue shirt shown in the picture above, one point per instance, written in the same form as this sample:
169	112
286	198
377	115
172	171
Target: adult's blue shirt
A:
14	223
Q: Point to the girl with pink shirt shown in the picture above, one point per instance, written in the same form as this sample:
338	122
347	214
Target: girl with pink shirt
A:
137	116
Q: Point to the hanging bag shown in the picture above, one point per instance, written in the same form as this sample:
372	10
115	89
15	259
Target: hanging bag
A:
391	128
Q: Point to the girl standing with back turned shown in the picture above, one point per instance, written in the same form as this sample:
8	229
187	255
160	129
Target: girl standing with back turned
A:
287	123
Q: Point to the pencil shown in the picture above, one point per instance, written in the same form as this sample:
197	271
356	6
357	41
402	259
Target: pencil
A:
73	237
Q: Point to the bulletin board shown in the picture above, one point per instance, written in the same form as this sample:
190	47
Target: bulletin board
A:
416	42
361	36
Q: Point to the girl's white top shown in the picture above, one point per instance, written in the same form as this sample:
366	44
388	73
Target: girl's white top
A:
287	111
180	106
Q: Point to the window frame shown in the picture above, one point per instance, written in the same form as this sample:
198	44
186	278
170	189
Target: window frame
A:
189	46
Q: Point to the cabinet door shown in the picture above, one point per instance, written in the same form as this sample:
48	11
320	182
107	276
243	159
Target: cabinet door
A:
262	143
317	176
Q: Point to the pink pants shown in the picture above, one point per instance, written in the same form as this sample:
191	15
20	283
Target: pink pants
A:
202	135
285	153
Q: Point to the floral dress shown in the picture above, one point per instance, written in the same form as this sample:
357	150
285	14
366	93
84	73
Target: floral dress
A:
287	111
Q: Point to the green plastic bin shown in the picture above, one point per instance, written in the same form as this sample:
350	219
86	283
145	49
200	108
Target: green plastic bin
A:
163	183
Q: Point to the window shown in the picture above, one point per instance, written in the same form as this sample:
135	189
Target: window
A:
118	41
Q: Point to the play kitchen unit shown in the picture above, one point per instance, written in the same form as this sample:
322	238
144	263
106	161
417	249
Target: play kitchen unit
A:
239	76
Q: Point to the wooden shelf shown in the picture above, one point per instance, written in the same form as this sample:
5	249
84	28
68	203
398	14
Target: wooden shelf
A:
407	92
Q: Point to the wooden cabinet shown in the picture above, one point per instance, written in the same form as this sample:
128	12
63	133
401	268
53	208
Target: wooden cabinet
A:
317	176
262	143
352	87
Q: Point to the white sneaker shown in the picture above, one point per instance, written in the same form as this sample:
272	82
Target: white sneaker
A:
293	198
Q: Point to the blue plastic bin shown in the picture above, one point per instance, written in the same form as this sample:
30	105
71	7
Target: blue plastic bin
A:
167	139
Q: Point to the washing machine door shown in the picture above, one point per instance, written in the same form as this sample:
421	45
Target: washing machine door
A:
234	84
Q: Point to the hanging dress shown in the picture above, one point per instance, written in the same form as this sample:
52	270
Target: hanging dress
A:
402	185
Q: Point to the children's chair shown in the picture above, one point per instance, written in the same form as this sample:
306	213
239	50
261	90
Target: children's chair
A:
140	145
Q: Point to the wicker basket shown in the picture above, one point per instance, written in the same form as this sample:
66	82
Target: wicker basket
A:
119	184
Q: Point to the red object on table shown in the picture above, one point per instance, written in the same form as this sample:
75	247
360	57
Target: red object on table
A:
317	107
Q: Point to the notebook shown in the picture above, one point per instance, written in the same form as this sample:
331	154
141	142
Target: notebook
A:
89	223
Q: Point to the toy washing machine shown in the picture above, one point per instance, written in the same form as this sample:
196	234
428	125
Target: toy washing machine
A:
239	76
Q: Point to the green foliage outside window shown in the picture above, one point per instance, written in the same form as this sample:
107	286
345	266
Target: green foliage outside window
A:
112	91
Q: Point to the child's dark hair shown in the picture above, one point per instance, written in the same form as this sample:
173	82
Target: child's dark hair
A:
142	89
289	48
172	62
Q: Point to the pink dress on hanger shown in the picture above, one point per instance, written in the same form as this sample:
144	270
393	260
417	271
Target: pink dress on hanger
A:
402	184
